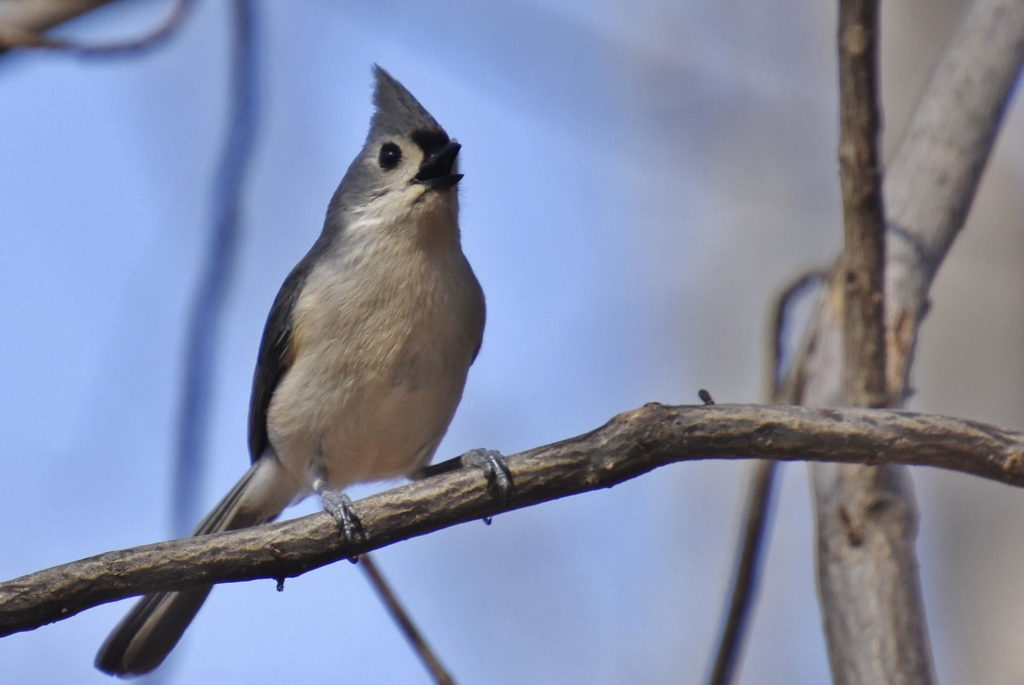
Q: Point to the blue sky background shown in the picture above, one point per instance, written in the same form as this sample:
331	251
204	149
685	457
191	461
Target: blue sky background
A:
640	180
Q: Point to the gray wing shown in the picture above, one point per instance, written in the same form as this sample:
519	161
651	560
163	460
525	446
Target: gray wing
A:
276	353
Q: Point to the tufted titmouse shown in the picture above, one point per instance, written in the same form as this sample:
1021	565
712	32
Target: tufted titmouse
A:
364	355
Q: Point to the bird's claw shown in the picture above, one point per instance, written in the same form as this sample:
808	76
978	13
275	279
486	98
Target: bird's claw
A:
339	506
496	471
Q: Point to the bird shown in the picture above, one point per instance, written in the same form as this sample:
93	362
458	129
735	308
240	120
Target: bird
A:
364	355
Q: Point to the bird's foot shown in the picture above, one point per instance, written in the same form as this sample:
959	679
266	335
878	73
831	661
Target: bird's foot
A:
496	471
491	462
339	506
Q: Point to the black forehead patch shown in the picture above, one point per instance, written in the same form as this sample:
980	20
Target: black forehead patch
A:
429	140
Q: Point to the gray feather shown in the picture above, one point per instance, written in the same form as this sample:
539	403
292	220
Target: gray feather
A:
397	111
276	353
147	634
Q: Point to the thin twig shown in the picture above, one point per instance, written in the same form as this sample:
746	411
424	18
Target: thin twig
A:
404	621
753	540
759	496
18	36
631	444
782	314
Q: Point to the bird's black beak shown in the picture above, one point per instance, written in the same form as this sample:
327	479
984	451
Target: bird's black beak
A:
436	171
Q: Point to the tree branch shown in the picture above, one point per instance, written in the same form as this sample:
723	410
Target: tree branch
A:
629	445
22	23
863	215
931	181
866	517
929	187
41	15
203	326
401	617
24	29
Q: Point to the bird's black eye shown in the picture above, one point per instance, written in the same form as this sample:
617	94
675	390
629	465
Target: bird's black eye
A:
390	156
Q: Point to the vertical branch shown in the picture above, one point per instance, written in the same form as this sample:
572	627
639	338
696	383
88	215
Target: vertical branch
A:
863	215
929	186
208	302
866	516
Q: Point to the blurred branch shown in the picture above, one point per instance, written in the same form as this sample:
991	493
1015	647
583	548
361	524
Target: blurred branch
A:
401	617
782	313
41	15
749	558
631	444
867	568
203	333
23	27
929	198
759	498
931	181
929	187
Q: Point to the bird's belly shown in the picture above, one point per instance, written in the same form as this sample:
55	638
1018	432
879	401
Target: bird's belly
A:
351	425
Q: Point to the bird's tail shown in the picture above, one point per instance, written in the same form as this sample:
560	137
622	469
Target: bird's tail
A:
144	638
